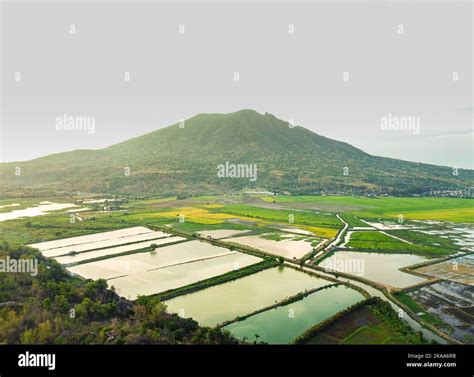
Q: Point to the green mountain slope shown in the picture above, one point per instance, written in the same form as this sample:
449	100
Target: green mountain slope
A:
177	160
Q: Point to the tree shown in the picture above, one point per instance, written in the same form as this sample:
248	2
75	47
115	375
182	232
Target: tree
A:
47	303
44	332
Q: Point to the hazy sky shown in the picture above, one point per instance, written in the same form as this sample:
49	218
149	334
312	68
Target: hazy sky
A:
293	76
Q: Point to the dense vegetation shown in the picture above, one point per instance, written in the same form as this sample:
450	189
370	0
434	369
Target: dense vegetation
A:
55	308
180	162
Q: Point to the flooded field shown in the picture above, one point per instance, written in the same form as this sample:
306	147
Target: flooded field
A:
460	269
378	267
41	209
157	281
453	303
283	324
287	248
298	231
100	201
75	210
227	301
461	234
387	225
10	205
146	272
184	252
222	233
80	248
362	326
91	238
110	251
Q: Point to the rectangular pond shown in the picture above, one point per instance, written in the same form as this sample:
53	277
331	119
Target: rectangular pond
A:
378	267
113	267
90	238
287	248
223	302
283	324
161	280
460	269
61	251
110	251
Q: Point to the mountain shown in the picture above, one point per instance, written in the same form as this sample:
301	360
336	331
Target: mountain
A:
185	160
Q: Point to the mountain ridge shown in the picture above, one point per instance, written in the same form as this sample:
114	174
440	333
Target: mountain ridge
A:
184	158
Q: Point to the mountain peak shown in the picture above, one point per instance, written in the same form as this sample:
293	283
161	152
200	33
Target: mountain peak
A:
184	157
246	112
239	114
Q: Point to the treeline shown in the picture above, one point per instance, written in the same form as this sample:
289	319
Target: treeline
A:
57	308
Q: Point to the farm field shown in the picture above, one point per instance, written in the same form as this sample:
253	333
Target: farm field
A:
448	238
187	251
290	247
458	236
199	215
247	217
222	233
117	250
283	324
145	272
157	281
227	301
299	217
372	240
442	209
297	231
102	244
378	267
89	239
162	257
447	305
460	269
369	323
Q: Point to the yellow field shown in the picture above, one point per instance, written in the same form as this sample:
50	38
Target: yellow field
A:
317	231
454	214
212	205
199	215
321	232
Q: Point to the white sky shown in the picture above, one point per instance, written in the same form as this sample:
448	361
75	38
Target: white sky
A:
293	76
